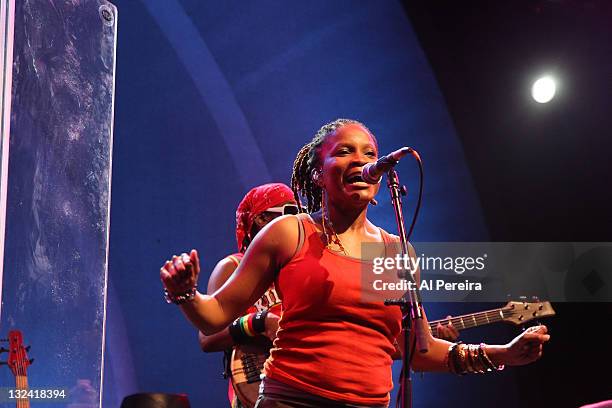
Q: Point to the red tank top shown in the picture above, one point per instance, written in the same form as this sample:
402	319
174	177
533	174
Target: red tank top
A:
331	343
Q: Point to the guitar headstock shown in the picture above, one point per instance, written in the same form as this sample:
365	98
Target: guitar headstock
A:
18	359
522	312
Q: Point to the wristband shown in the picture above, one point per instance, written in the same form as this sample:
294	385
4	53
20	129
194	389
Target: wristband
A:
244	323
235	330
259	322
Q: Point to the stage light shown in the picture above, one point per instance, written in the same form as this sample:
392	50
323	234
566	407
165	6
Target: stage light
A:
543	90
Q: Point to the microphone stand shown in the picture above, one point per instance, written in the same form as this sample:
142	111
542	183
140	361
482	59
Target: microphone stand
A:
410	303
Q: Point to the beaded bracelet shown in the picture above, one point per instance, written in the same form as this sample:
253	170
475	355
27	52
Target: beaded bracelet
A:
487	361
453	359
181	298
469	358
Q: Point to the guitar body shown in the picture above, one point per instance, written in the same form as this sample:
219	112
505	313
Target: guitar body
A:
246	366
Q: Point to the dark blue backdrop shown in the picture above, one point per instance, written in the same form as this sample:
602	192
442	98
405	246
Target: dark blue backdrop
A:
213	98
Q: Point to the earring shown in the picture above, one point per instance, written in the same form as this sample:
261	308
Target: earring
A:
323	216
316	177
373	201
326	223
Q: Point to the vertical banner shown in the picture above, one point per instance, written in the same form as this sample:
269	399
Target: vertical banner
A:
58	195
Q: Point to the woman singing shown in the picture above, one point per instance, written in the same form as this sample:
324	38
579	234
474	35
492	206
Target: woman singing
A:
332	349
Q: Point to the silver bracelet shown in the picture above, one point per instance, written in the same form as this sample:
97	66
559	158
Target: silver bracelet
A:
181	298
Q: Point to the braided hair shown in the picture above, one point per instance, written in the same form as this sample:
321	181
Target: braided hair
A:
308	160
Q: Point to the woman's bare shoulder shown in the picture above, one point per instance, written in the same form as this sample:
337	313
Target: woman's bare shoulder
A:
280	237
285	225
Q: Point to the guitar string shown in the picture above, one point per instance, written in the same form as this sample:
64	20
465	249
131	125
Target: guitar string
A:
245	370
468	322
469	319
479	317
21	382
489	316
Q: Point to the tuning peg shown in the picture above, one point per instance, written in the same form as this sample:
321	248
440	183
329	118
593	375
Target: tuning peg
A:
4	340
31	360
28	348
3	363
3	350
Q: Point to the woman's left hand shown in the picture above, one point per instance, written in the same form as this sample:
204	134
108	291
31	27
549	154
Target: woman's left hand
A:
525	348
448	331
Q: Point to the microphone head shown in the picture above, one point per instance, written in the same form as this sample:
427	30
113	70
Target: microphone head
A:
372	172
399	153
368	174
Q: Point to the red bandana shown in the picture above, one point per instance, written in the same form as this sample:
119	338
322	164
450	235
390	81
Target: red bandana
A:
255	202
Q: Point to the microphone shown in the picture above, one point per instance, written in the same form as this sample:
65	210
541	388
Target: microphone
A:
372	172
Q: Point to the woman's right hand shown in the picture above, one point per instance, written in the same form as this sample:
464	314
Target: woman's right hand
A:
527	346
180	274
523	349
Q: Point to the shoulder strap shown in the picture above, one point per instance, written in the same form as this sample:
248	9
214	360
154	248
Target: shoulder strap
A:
235	258
301	239
391	242
302	218
387	238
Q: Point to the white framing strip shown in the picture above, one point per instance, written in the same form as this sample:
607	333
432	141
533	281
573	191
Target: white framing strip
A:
108	208
7	26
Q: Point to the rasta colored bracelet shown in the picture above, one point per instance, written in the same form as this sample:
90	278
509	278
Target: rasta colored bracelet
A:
248	326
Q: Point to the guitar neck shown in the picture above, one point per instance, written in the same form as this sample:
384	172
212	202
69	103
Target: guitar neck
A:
472	320
21	383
